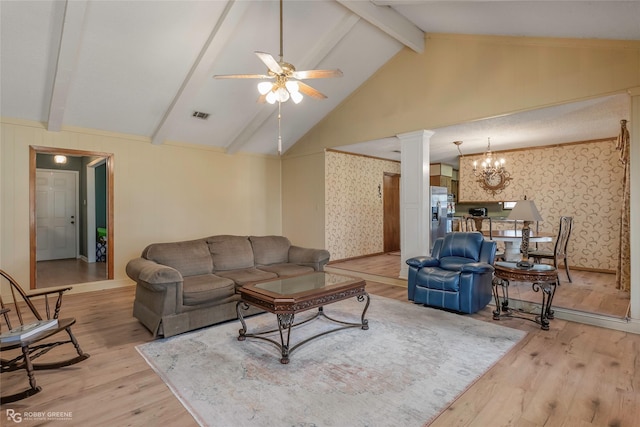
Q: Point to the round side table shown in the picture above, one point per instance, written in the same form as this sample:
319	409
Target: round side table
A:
542	277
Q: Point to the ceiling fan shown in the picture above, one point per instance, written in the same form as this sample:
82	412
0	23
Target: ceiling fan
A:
284	81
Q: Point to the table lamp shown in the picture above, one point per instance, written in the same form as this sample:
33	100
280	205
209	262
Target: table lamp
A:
525	210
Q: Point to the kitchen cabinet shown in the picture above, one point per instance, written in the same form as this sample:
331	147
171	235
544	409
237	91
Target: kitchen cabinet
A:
441	181
442	175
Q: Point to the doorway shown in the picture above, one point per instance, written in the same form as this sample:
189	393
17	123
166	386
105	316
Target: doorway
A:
77	264
391	209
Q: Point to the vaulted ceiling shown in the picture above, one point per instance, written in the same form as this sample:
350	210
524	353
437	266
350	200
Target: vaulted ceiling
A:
144	67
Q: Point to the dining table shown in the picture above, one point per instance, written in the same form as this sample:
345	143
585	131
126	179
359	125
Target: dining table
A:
512	240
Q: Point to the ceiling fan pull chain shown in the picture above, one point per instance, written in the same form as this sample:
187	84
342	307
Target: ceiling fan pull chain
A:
279	129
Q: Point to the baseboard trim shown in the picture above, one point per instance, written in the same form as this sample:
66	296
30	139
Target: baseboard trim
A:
623	324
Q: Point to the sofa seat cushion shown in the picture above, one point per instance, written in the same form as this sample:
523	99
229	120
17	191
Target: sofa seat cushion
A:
247	275
190	258
436	278
206	289
230	252
287	269
269	250
454	263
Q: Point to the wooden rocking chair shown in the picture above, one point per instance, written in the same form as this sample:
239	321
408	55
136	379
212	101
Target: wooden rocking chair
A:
34	345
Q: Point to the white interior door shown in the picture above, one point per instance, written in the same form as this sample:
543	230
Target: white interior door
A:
56	214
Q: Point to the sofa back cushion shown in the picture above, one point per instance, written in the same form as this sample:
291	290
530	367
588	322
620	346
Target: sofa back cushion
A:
190	258
230	252
270	249
462	245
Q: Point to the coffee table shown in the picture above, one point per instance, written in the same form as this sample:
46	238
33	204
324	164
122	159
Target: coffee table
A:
290	296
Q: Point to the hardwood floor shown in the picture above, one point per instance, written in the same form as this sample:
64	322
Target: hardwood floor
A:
571	375
590	291
63	272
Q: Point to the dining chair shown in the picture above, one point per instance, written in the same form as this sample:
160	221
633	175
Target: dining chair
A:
18	352
560	247
476	223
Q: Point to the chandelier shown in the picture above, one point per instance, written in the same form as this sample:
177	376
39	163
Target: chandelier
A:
491	174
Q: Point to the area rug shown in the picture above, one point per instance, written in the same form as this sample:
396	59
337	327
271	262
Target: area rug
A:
410	364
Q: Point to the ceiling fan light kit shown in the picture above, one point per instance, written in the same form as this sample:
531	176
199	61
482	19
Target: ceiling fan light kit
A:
284	81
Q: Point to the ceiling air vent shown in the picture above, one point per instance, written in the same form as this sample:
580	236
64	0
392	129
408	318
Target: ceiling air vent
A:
200	115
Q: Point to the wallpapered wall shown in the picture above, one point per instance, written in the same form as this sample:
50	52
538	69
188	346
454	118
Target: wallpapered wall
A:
354	208
580	180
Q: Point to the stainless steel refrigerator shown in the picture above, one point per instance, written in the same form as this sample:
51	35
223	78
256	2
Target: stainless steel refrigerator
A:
440	222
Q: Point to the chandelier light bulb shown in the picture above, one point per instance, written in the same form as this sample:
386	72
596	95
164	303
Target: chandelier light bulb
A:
264	87
282	95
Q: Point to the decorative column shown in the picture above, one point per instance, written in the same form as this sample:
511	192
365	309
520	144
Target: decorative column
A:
634	162
415	215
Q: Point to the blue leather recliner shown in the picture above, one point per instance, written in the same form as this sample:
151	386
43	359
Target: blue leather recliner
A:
457	276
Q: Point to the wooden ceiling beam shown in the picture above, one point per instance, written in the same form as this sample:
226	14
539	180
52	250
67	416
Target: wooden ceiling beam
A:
389	21
70	40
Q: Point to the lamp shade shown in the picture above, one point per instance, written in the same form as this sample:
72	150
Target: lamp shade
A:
296	97
264	87
525	210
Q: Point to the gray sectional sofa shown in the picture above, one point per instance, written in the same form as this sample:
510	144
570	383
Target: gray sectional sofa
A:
182	286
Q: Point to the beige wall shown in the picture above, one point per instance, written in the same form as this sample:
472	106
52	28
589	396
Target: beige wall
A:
460	78
354	205
162	193
303	207
583	181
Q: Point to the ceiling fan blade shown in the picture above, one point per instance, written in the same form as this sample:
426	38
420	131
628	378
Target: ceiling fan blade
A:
270	62
262	99
309	91
242	76
316	74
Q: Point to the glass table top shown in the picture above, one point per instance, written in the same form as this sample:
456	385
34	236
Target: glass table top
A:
306	282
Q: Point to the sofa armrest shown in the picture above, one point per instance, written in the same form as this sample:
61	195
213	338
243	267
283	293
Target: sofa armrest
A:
144	270
316	258
422	261
477	268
